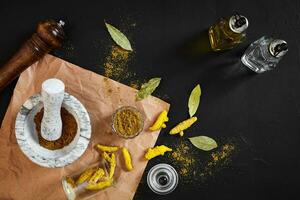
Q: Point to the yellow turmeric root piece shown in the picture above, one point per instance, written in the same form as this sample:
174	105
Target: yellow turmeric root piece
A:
160	121
85	176
183	126
156	151
106	157
127	159
106	148
71	181
181	133
100	185
112	163
98	174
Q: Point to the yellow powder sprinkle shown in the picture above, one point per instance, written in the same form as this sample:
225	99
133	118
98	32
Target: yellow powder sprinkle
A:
221	155
182	157
115	64
218	159
136	84
192	167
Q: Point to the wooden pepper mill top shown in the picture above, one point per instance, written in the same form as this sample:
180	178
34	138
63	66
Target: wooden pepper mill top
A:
51	32
48	36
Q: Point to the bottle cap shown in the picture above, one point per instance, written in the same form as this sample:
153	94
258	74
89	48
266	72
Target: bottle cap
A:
278	48
162	179
238	23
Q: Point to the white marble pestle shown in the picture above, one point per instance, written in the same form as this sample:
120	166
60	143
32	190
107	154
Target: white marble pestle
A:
53	91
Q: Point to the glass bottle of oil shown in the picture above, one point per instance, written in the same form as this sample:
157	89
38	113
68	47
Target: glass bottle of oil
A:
228	32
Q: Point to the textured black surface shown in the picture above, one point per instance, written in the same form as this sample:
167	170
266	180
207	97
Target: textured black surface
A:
260	113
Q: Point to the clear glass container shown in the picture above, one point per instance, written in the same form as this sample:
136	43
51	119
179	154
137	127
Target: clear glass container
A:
264	54
140	122
75	187
162	179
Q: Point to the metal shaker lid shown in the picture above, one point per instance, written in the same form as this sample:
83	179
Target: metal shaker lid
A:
278	48
238	23
162	179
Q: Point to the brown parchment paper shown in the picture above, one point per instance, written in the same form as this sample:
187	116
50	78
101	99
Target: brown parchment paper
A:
22	179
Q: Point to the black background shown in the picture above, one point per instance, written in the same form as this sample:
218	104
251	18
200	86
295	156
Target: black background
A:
260	113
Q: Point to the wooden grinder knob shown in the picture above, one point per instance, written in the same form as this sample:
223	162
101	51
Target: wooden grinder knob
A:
48	36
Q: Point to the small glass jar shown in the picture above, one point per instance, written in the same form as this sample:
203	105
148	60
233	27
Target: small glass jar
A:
75	188
162	179
137	120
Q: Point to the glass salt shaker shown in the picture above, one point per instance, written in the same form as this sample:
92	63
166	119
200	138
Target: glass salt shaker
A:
264	54
162	179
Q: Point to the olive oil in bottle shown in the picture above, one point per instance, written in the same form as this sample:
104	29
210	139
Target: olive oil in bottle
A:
228	32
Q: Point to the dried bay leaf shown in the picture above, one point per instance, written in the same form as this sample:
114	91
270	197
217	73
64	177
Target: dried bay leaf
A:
118	37
194	100
204	143
147	88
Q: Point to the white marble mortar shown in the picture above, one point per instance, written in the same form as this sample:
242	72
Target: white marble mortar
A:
27	136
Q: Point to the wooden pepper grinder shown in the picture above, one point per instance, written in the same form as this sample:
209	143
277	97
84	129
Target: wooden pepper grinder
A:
48	36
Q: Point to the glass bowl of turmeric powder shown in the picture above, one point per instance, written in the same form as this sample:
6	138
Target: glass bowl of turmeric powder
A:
127	122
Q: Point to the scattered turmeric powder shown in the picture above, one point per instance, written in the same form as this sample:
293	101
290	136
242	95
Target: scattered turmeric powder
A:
136	84
190	168
221	155
115	65
156	151
183	157
218	159
160	121
183	126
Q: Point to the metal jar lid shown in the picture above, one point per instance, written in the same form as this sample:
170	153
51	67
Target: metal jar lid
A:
162	179
238	23
278	48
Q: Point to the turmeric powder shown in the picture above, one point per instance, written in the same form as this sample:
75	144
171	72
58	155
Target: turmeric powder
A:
184	157
69	130
127	122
